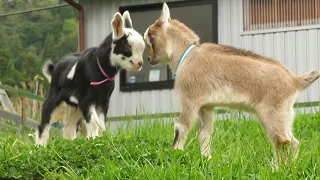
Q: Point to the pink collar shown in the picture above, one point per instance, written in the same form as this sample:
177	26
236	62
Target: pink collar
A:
105	75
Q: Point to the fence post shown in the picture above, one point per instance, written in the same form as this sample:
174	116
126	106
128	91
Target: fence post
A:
36	93
22	117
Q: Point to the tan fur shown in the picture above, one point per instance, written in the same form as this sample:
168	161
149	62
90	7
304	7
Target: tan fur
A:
70	124
216	75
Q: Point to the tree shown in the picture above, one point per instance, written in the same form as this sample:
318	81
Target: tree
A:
50	50
31	38
31	66
68	41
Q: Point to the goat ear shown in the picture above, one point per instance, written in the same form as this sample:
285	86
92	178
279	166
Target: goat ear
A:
118	26
127	20
165	14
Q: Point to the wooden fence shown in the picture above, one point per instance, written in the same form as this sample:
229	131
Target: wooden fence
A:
18	123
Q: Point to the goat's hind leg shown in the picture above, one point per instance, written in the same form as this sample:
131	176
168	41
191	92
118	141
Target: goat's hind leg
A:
294	149
278	125
72	123
49	106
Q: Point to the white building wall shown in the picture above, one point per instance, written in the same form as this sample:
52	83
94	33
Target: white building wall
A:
297	49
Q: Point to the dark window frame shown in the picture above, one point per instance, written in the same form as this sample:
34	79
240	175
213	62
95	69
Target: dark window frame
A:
168	84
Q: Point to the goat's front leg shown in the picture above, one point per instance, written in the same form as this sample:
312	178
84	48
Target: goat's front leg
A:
182	126
102	112
206	118
92	119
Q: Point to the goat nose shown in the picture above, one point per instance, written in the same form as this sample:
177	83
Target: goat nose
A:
140	63
148	58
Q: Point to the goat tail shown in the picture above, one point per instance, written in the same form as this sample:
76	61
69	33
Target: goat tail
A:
306	79
47	69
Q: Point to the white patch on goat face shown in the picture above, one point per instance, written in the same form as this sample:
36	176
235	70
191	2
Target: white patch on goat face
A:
71	73
73	99
128	50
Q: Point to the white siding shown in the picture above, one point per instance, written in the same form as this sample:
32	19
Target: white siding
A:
298	50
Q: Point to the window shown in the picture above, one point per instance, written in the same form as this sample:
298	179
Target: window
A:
203	20
270	14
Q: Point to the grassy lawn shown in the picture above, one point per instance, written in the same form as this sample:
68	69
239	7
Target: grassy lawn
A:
240	151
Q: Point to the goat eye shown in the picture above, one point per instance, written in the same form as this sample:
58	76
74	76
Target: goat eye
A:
128	47
151	39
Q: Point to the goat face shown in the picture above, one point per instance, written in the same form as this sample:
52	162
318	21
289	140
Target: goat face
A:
156	38
128	44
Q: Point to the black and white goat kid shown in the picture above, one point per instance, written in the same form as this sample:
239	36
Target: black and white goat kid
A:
85	80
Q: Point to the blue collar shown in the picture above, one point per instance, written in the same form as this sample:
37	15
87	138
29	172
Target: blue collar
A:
183	58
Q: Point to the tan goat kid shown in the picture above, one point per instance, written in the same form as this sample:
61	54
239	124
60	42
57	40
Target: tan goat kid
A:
215	75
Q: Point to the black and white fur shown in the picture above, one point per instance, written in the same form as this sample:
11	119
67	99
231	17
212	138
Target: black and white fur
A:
70	79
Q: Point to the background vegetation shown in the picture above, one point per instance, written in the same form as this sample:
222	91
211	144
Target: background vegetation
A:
29	39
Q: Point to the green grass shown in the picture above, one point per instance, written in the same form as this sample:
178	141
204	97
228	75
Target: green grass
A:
240	151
